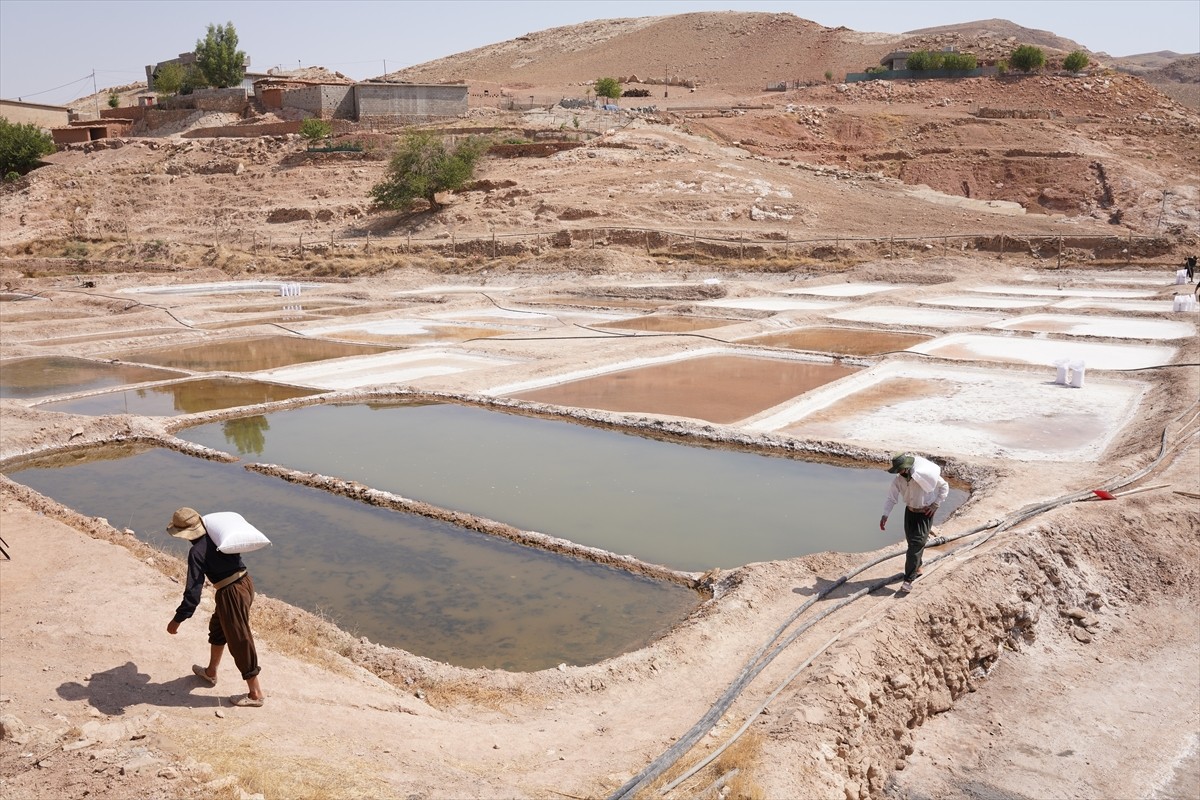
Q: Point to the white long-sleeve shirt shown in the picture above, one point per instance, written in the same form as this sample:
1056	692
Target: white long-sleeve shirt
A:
915	493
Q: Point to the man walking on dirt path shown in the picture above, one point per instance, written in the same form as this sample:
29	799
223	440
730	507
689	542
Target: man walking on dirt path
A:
230	624
920	485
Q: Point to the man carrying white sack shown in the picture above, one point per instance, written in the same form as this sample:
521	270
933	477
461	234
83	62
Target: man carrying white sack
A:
230	625
920	484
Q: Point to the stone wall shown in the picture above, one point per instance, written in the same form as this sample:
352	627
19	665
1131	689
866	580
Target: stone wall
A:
325	102
244	131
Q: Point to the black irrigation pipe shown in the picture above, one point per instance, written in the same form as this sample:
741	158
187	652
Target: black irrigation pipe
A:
757	662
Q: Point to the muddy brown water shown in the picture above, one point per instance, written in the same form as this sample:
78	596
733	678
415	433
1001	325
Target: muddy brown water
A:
684	506
249	354
431	588
43	376
719	388
667	324
597	302
844	341
183	397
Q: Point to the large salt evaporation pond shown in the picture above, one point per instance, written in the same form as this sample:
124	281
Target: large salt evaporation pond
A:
684	506
400	579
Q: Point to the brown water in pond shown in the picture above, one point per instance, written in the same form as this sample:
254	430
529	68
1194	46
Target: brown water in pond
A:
184	397
845	341
249	355
43	376
350	311
720	388
429	587
688	507
666	324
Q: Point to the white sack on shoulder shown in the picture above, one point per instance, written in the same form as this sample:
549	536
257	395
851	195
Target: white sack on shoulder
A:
926	473
231	533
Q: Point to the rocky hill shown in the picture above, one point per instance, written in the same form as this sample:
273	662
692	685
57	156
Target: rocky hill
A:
996	36
1043	155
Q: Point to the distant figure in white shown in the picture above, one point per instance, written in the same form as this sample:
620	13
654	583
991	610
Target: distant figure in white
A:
920	485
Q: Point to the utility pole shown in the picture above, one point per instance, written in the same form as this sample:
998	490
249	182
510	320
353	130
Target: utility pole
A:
95	93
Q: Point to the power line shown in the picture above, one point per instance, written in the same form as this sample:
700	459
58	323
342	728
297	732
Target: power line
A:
89	76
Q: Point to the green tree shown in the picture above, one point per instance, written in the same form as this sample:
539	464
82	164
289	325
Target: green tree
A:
424	165
314	130
222	64
923	60
193	79
168	79
959	61
114	99
1027	58
608	87
21	147
1076	61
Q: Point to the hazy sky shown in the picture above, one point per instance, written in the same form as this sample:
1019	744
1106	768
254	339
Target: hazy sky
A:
50	48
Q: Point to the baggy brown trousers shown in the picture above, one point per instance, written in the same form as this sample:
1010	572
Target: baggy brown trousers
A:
230	625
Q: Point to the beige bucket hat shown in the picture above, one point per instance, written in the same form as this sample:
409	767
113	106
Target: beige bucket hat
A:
186	524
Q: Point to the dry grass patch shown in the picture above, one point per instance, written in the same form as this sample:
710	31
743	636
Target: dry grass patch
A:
256	769
734	768
465	692
300	634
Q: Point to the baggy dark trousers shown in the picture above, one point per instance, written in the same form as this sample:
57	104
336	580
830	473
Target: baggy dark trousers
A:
916	530
230	625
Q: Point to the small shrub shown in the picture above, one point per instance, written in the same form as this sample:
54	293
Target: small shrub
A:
923	60
1076	61
22	146
314	129
828	75
608	87
959	61
1027	58
114	99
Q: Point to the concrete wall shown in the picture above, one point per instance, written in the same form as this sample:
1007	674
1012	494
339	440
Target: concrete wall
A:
47	117
325	102
409	102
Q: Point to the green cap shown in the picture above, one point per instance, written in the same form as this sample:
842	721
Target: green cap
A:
901	461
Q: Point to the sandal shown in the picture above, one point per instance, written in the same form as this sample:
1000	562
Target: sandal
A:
200	673
246	701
